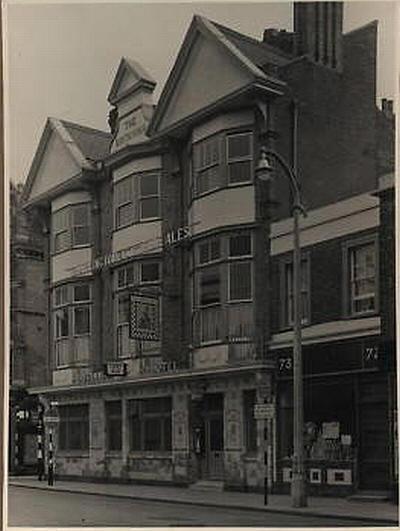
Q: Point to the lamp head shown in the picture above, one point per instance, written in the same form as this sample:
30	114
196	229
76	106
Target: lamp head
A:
264	170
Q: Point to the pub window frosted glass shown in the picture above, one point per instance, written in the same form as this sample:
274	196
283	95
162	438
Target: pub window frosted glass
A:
123	201
113	412
62	323
363	279
149	196
74	427
125	276
150	424
240	281
239	157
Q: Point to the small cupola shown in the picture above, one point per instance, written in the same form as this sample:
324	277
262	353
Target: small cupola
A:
131	96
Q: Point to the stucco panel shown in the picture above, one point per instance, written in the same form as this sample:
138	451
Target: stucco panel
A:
230	206
64	265
145	236
57	166
201	82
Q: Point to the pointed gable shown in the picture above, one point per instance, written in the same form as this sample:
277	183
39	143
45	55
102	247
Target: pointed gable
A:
209	67
61	157
130	77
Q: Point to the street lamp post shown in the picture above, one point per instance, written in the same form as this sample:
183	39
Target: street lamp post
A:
264	172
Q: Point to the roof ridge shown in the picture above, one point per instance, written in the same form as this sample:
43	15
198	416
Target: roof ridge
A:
84	127
252	40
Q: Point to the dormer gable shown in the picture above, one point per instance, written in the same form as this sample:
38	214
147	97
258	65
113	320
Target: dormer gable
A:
131	95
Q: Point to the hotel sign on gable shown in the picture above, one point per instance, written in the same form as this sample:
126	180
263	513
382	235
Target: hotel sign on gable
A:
131	130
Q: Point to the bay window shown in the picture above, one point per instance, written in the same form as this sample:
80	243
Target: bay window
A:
223	287
221	160
72	323
136	199
71	227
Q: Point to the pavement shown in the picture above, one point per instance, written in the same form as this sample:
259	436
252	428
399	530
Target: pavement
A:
374	512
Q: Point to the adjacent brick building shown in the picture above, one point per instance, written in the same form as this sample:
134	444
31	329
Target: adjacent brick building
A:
162	225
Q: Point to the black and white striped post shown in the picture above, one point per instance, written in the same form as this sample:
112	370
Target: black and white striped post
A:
40	445
50	471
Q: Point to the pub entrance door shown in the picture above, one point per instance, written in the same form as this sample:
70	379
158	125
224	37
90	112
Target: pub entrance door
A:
213	457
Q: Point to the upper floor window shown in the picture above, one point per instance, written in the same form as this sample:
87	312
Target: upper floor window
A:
222	160
70	227
224	269
363	281
288	293
136	198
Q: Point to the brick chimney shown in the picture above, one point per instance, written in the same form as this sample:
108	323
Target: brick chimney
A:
318	26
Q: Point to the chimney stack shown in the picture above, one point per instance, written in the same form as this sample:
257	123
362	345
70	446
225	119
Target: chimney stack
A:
318	26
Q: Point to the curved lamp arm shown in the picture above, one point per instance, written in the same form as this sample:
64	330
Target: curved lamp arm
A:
297	202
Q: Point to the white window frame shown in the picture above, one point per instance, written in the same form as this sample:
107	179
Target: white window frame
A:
349	248
130	180
69	227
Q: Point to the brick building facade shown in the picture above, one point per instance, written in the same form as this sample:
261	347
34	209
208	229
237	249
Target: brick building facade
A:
28	365
164	217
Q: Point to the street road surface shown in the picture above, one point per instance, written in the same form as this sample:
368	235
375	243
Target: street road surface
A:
32	507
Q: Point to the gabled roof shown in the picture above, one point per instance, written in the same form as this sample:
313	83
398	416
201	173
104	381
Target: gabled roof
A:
248	54
258	52
93	143
84	145
133	75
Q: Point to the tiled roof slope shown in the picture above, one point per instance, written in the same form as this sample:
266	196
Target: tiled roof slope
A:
258	52
93	143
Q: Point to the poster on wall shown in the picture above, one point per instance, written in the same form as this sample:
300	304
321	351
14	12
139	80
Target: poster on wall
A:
330	430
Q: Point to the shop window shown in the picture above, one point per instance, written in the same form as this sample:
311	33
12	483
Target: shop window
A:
123	202
239	158
74	427
363	278
150	424
250	424
288	293
222	160
149	196
113	414
70	227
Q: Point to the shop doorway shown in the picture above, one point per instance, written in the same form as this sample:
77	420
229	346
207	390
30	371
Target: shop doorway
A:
374	465
213	457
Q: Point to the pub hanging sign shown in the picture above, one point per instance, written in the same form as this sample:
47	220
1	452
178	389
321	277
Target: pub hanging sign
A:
144	323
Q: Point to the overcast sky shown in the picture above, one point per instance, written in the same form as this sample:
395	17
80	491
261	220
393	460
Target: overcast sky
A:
62	58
